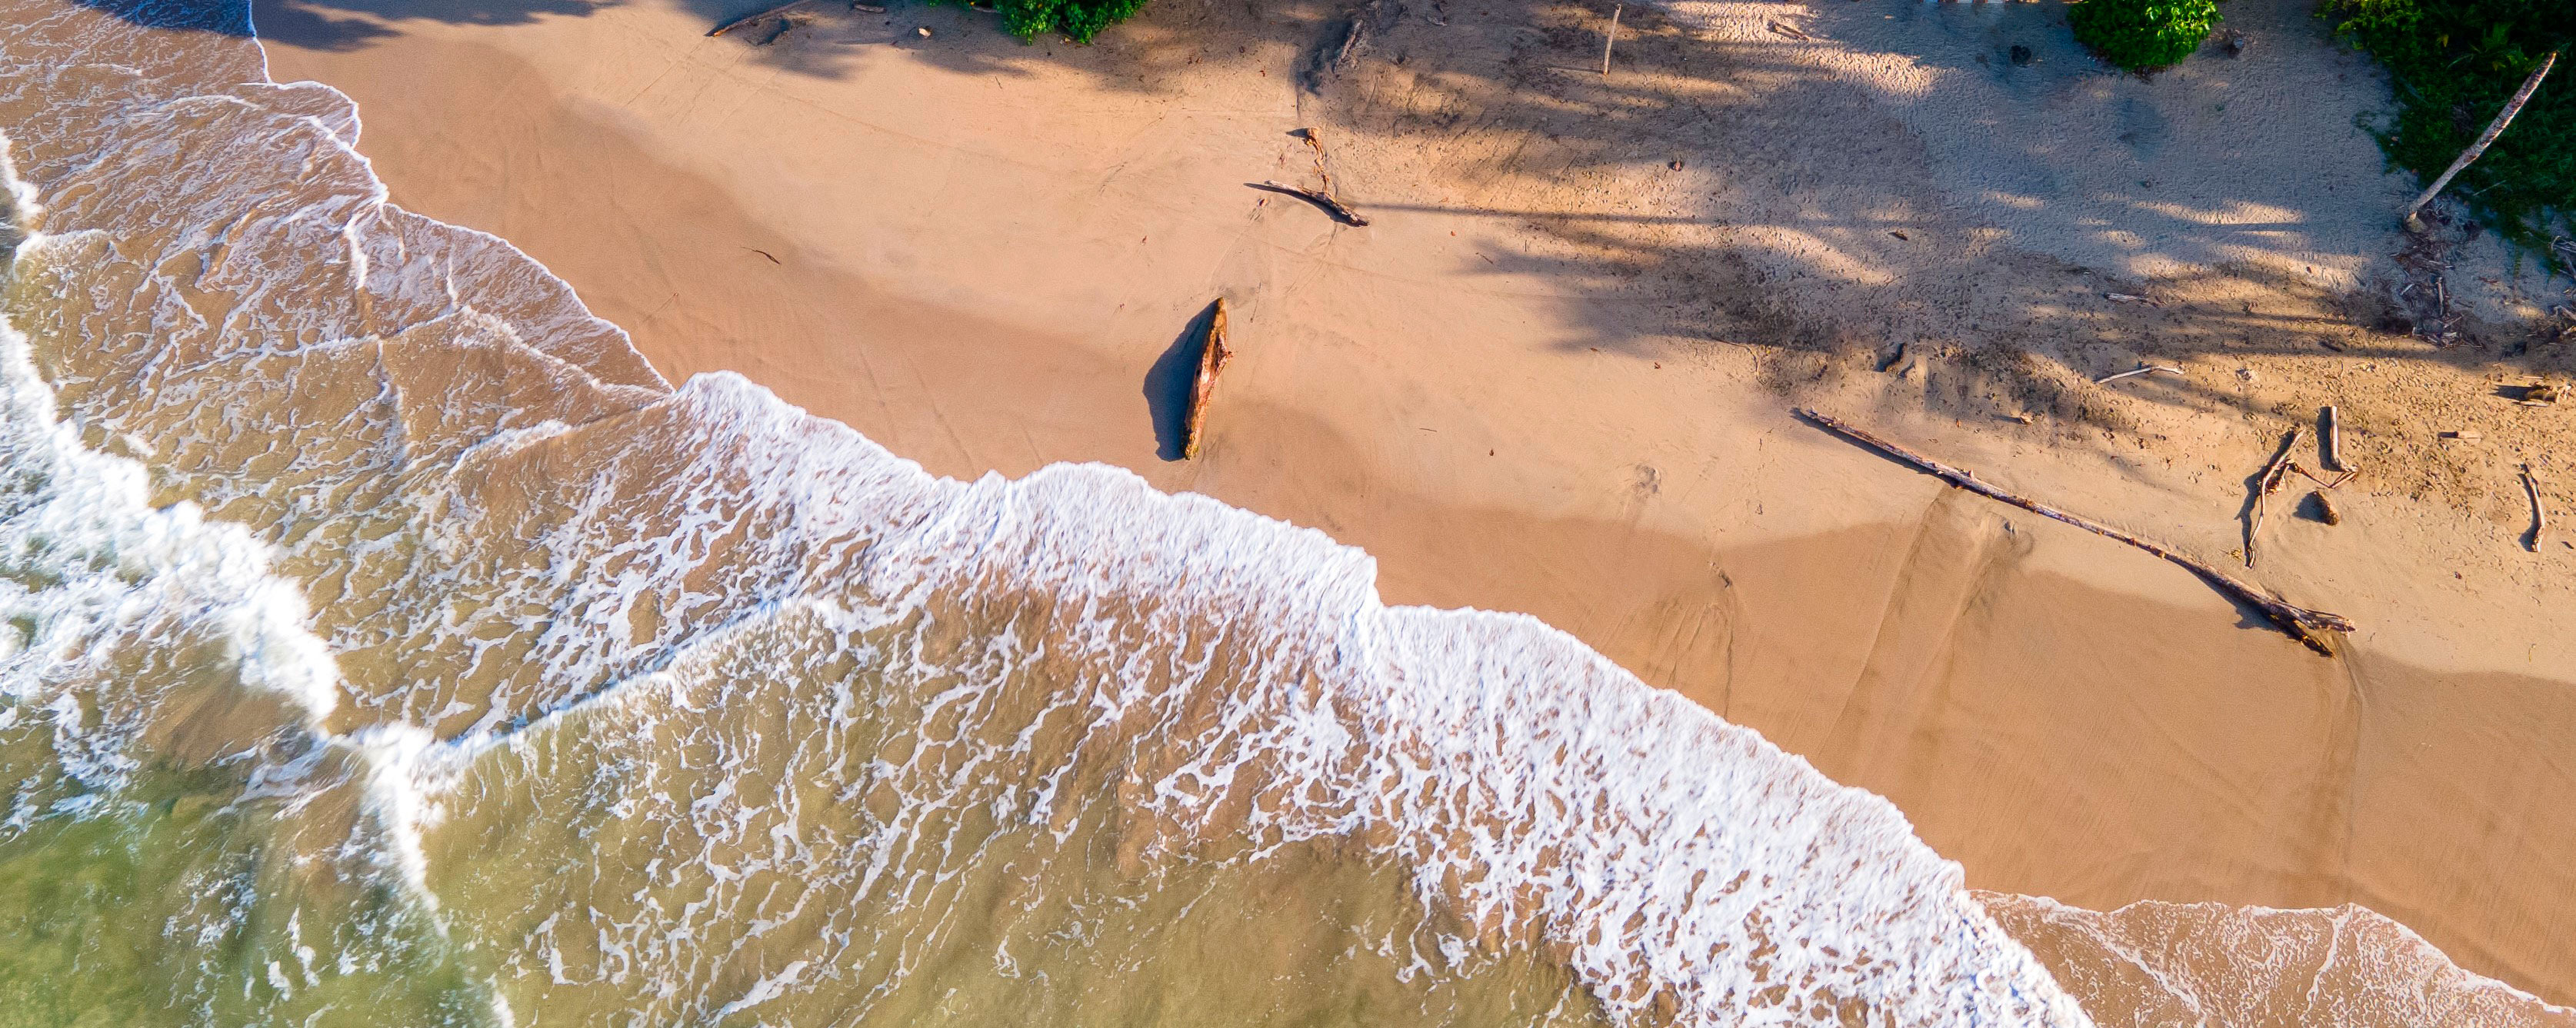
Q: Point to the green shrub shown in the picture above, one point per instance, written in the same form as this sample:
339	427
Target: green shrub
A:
2453	64
2143	35
1079	20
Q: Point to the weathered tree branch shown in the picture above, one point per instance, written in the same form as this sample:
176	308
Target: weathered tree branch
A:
2301	623
2494	128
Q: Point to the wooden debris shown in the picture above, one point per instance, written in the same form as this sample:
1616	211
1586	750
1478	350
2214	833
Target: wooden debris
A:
1316	143
1790	32
2539	513
1331	206
868	8
2540	395
2332	429
1611	37
2325	509
753	17
1213	356
2139	370
2265	485
2494	128
2338	481
2132	298
2300	623
1351	39
2466	435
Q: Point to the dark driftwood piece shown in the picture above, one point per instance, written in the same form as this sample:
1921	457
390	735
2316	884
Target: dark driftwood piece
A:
2539	514
2265	486
1331	206
2301	623
1212	358
769	12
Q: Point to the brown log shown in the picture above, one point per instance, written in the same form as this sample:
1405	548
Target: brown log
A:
2301	623
1212	358
1331	206
754	16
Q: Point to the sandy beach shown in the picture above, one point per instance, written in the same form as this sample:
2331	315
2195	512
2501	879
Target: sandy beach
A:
1553	374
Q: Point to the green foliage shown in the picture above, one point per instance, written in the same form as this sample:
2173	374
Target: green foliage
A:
2455	63
1079	20
2143	35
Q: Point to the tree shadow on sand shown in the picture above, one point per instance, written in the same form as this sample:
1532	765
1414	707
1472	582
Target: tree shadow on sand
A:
1731	187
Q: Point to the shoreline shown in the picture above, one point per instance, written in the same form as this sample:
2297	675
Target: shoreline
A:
1972	617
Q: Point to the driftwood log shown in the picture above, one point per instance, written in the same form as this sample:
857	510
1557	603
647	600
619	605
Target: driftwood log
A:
2266	485
1212	358
767	12
2307	626
1331	206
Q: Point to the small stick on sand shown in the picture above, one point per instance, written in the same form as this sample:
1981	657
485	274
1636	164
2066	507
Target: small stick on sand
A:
2539	514
2139	370
2301	623
1331	206
1316	143
1611	37
752	17
2333	430
2494	128
1351	40
1212	358
2338	481
2265	486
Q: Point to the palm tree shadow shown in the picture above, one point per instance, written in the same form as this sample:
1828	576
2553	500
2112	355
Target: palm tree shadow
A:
1168	382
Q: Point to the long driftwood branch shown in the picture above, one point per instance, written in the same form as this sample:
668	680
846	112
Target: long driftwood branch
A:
2301	623
1331	206
1212	358
2494	128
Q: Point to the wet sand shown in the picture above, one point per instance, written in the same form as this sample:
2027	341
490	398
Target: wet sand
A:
980	254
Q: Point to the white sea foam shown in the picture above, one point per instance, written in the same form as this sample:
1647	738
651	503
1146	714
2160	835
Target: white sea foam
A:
2214	964
95	571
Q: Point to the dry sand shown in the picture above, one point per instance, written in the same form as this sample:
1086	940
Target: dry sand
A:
1551	376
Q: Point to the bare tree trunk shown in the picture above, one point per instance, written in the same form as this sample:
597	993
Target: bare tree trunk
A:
2494	128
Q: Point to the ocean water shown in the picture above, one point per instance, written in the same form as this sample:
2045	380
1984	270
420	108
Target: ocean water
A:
383	641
